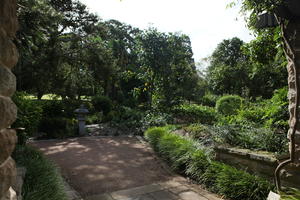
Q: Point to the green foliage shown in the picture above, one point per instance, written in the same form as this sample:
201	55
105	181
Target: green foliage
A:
276	111
67	51
153	135
153	118
272	114
250	69
228	69
184	155
29	113
57	127
195	113
236	184
102	104
53	108
42	180
199	132
94	118
256	7
229	104
209	100
127	118
250	137
290	194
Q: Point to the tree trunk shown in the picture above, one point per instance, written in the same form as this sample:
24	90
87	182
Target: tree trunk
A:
291	35
293	55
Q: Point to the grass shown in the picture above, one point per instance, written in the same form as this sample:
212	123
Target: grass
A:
53	97
291	194
42	180
189	158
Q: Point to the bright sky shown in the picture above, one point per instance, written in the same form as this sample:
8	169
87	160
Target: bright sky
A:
206	22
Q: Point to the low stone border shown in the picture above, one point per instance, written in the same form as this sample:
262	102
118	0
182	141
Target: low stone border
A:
262	164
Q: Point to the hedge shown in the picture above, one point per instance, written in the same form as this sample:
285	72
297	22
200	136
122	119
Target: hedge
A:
188	158
193	113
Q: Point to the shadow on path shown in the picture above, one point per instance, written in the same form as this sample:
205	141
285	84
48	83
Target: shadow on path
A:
97	165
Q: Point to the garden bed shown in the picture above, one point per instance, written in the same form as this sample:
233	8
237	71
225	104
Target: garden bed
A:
42	180
193	160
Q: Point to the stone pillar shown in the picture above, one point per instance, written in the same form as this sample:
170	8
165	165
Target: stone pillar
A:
8	110
292	34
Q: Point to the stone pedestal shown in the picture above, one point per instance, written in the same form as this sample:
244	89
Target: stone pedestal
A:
8	110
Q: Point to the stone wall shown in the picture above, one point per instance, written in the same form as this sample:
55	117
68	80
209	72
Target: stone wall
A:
262	164
8	110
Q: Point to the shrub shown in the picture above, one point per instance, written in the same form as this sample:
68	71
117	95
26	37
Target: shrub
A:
229	104
253	114
69	105
42	180
156	119
209	100
250	137
57	127
192	113
271	113
102	104
236	184
128	117
185	155
94	118
153	135
276	111
29	113
53	108
200	132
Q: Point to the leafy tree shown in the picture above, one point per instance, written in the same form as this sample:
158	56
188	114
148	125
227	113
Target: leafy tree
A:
228	70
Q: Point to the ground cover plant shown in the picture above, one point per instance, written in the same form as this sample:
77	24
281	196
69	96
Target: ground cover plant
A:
187	157
42	180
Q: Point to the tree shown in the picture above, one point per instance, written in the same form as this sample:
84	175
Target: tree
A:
228	69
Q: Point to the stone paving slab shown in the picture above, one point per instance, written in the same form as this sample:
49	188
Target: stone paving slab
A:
169	190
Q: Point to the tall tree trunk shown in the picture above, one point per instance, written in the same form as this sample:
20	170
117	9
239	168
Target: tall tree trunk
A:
293	54
291	34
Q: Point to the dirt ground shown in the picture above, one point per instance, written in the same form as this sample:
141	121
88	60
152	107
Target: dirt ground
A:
96	165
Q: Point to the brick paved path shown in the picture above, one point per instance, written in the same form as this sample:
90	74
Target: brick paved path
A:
117	168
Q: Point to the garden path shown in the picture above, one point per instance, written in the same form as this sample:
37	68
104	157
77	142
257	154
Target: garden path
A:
118	168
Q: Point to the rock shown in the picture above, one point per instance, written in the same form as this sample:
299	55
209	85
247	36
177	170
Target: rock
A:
11	195
8	53
8	140
17	186
273	196
7	176
8	17
7	82
8	112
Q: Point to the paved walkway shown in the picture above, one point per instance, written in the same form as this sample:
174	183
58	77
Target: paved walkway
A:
117	168
170	190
